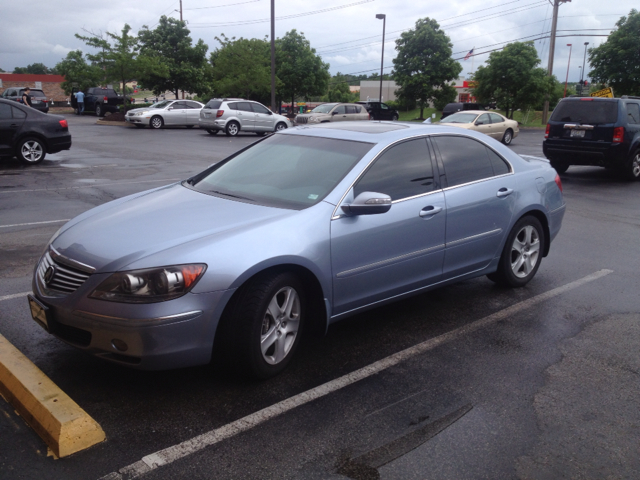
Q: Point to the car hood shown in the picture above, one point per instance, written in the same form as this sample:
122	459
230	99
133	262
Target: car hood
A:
143	109
466	126
118	235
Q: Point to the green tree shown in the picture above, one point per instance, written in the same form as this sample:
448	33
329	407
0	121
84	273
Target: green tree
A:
617	61
34	68
242	68
186	64
423	66
78	73
339	90
512	79
301	71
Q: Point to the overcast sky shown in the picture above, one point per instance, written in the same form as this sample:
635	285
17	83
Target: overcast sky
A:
345	33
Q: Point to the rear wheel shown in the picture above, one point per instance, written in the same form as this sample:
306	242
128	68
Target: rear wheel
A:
211	131
232	129
99	110
507	137
31	151
395	118
632	167
560	167
522	254
156	122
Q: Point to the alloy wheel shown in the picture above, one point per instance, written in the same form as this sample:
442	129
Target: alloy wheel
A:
280	325
31	151
525	251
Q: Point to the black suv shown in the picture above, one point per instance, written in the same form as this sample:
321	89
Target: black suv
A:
38	98
380	111
595	131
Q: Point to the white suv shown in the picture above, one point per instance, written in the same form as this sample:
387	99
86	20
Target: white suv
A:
233	115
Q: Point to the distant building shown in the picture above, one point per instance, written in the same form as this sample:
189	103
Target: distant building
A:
354	88
49	84
370	90
464	88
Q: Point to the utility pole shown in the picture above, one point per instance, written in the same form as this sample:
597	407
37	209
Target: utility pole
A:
273	57
383	17
552	47
180	10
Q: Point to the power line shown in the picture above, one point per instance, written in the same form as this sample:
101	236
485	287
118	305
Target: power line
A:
220	6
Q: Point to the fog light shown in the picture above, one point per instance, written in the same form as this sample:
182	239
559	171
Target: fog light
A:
119	345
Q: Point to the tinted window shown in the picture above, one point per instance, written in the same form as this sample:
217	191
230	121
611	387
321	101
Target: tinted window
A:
633	113
483	119
179	105
5	111
352	109
244	107
500	167
495	118
586	111
259	108
233	106
384	106
465	160
340	110
402	171
289	171
17	113
193	105
214	104
34	93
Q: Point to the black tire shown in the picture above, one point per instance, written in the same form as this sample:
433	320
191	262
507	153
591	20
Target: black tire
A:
631	170
526	242
560	167
211	131
156	122
190	126
138	125
31	151
232	129
507	138
99	110
280	126
395	118
248	322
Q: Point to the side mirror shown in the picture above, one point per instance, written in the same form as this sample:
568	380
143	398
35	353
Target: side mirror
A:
270	112
368	203
334	113
479	123
170	108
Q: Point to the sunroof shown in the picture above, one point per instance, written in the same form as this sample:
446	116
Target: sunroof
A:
363	127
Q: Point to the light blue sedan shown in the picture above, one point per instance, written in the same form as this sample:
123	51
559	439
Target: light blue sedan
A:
299	230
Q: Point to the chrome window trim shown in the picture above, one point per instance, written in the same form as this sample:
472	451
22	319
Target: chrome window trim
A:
388	261
473	237
477	181
58	257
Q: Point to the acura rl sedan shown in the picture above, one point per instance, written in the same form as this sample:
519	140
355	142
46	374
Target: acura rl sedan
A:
297	231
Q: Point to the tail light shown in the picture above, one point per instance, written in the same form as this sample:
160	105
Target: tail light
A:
546	132
559	182
219	113
618	134
105	99
64	124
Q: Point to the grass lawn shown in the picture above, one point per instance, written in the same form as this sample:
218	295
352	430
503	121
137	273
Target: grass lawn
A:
530	119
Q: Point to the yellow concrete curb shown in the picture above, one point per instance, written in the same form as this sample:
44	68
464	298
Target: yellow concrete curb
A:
60	421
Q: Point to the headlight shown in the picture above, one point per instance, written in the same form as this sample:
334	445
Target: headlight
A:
314	119
139	114
149	285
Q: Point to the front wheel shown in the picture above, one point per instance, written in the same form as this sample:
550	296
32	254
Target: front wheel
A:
632	168
266	323
156	122
522	254
507	137
232	129
31	151
395	118
281	126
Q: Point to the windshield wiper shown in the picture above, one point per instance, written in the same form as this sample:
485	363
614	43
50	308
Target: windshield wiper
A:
231	195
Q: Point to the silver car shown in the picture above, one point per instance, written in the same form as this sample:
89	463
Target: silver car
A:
300	230
233	115
333	112
167	112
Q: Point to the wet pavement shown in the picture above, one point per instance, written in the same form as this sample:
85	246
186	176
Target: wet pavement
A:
547	392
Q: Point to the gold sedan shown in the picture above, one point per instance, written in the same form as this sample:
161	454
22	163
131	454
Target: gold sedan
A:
489	123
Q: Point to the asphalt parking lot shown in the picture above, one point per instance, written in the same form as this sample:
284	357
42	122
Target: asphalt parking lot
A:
534	383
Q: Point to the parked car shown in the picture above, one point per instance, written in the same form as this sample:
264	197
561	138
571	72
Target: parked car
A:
99	100
380	111
39	100
492	124
297	231
451	108
29	134
333	112
602	132
173	113
233	115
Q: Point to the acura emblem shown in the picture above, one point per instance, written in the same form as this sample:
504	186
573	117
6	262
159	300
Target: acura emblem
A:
49	273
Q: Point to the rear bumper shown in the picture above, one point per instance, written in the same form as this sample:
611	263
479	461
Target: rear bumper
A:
57	144
571	153
212	123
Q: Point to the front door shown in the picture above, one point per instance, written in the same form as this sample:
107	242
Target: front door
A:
339	113
263	118
176	114
375	257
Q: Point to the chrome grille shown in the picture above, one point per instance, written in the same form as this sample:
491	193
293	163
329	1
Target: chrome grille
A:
65	279
302	119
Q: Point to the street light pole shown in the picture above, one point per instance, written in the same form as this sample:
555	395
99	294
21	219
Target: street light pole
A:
273	57
584	59
568	64
383	17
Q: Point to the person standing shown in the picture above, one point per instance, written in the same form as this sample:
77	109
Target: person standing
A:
26	98
80	99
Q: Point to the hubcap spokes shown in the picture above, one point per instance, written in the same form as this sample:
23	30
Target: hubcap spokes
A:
636	166
280	325
32	151
525	251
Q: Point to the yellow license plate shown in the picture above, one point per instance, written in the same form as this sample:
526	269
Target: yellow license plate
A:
39	312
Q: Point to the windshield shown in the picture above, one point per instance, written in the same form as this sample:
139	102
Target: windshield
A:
161	104
586	111
325	108
34	93
460	118
288	171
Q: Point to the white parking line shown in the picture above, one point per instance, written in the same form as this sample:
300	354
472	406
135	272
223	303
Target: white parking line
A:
15	295
188	447
35	223
92	185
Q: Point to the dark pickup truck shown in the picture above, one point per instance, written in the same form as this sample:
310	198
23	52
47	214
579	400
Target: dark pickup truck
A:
99	100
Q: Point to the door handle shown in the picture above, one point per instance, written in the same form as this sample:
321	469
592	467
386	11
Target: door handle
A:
504	192
430	211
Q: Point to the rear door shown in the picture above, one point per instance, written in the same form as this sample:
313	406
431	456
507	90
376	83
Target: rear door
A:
499	126
246	116
483	125
11	120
